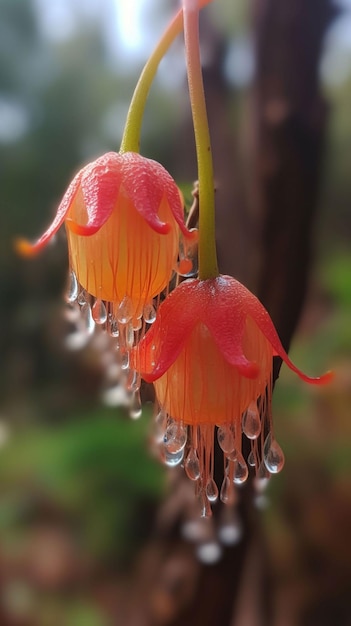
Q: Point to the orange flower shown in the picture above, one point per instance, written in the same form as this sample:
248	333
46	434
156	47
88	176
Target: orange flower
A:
210	355
123	215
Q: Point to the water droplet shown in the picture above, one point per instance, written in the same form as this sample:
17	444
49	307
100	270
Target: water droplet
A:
87	318
113	329
192	465
226	439
273	455
175	437
160	423
240	472
125	310
82	297
135	409
173	459
137	323
227	491
133	381
251	422
251	459
129	335
149	313
72	288
99	312
205	507
211	490
209	553
124	355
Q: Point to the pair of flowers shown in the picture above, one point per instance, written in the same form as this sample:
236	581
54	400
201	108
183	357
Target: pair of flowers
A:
209	352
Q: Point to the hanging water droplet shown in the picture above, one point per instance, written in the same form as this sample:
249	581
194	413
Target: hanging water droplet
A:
211	490
225	439
192	465
160	423
129	335
133	380
171	459
251	459
87	318
240	471
175	437
113	329
99	312
72	288
227	490
135	409
205	507
124	356
82	297
125	310
273	455
149	313
251	422
137	323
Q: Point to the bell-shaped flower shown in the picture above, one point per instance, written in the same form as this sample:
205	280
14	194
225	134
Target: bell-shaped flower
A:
210	356
123	215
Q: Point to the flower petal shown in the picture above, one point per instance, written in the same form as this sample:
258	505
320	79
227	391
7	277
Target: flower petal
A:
101	181
26	248
163	343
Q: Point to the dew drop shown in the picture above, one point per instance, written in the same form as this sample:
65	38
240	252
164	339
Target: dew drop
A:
129	335
72	288
99	312
82	297
113	329
251	459
149	313
133	381
173	459
135	409
175	437
227	491
125	311
124	355
87	318
192	465
211	490
225	439
251	422
240	471
159	426
273	455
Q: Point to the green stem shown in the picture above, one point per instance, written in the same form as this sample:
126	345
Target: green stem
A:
132	130
208	266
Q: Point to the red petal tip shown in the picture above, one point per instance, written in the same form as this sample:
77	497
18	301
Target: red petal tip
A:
325	379
80	229
25	248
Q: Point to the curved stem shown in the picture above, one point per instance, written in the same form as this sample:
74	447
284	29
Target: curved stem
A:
208	267
132	129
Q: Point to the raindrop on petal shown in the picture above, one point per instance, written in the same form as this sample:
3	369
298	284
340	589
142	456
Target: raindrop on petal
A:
273	455
175	437
89	324
251	459
125	311
192	465
99	312
226	439
227	490
240	472
72	288
211	490
251	421
135	409
173	459
149	313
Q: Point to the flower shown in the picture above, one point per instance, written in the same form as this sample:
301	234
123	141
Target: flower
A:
123	215
210	356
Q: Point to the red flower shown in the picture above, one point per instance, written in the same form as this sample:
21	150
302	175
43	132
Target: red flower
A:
123	214
210	355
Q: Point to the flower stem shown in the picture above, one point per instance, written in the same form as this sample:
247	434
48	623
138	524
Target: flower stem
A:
208	266
132	130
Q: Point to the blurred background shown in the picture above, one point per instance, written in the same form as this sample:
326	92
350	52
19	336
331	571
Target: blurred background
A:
79	493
